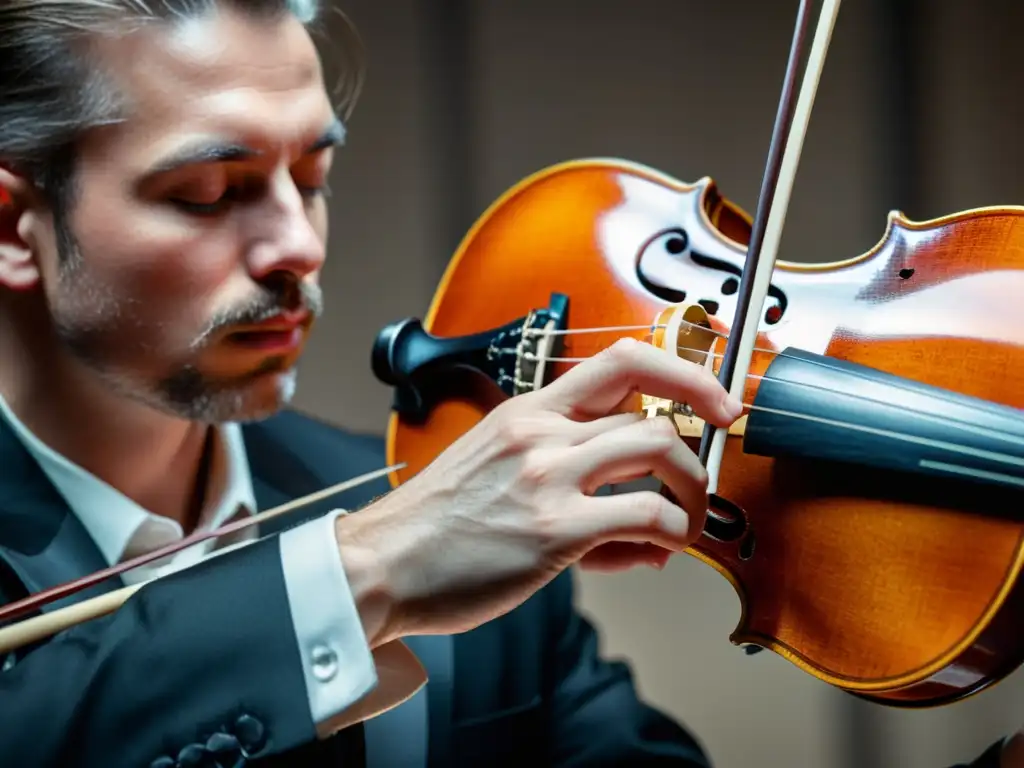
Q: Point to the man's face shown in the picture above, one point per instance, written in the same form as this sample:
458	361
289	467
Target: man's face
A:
198	218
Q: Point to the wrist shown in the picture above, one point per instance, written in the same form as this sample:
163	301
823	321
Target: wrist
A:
367	577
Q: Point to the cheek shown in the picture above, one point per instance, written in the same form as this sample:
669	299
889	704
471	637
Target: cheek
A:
160	263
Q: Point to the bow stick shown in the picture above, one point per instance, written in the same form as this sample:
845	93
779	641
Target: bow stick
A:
44	625
767	230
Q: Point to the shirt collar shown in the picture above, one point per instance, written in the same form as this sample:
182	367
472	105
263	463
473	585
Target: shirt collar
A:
122	528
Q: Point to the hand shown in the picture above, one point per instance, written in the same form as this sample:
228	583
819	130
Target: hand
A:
510	504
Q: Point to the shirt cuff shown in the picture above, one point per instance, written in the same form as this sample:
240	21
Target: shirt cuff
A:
337	664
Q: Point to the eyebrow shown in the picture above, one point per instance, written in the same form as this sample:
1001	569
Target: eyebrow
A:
226	152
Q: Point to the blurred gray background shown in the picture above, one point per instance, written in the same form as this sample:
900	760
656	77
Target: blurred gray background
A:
919	109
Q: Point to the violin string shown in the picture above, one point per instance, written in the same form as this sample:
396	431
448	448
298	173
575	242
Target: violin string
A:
596	329
904	436
551	359
960	424
980	406
612	328
543	333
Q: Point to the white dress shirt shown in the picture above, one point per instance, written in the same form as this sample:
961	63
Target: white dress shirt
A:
345	682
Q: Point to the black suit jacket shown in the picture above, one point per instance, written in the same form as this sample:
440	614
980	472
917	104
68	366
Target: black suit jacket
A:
205	660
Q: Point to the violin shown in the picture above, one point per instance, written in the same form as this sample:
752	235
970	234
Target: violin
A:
867	507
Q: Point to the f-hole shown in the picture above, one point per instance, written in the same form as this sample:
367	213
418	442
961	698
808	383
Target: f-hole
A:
675	245
675	242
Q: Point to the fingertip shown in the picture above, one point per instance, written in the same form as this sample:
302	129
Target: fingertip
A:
659	559
729	406
733	407
728	411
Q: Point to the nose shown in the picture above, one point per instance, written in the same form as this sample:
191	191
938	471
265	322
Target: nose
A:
284	235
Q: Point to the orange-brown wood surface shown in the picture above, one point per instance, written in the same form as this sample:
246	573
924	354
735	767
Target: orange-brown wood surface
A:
878	583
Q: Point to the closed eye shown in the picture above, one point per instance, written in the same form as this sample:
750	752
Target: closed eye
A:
235	195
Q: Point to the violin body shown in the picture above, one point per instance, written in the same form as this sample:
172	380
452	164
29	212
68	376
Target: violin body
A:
870	503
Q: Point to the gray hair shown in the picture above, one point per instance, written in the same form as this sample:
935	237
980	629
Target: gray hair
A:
50	93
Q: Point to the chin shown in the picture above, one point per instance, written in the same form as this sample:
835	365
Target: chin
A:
258	398
265	397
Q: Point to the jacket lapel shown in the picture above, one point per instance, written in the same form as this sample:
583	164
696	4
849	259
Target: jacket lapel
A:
44	545
279	476
41	541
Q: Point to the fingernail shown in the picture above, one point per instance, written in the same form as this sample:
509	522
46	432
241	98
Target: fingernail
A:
659	563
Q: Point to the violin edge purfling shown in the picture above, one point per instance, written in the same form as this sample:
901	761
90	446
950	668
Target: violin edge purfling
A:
910	602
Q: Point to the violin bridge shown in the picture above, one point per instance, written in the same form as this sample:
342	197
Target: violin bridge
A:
685	331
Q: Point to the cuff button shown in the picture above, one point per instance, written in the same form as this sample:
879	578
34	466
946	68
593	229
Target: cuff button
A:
325	663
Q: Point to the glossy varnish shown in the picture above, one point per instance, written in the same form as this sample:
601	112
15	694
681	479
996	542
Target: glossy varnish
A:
896	587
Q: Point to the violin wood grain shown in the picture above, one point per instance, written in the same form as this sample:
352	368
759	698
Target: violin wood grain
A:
897	588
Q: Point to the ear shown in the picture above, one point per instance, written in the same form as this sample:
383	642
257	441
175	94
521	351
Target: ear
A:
18	218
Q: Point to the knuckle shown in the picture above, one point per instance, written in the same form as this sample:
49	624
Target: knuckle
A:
663	432
669	519
517	431
706	382
655	509
659	436
550	527
536	469
625	348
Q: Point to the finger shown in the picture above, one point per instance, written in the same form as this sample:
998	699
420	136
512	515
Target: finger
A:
623	478
651	446
520	424
640	517
597	385
583	431
623	555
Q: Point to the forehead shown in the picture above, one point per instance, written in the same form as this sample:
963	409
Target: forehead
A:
224	74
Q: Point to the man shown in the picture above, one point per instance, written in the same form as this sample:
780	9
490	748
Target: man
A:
160	244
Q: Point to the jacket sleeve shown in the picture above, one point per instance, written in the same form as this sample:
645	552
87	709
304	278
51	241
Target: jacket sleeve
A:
205	660
597	717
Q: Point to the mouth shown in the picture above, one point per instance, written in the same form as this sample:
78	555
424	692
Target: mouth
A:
282	333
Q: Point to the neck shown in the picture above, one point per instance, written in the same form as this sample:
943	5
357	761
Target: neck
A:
153	459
